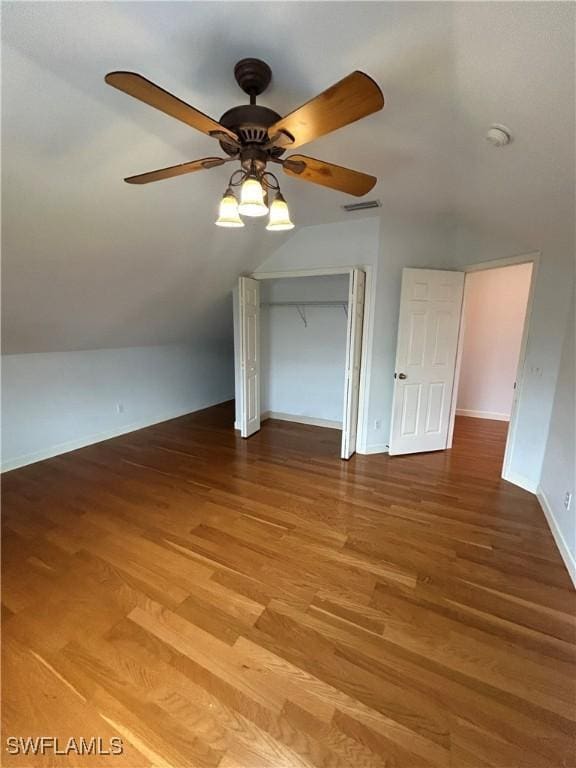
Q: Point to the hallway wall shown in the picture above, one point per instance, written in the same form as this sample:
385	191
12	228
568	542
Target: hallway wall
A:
559	469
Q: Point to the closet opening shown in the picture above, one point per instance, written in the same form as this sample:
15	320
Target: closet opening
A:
303	349
298	351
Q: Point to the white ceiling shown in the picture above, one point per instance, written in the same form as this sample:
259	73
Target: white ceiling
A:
91	262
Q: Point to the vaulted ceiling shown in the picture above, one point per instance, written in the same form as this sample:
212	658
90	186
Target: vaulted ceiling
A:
90	262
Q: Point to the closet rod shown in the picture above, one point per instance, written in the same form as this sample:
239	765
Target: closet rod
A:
301	306
304	303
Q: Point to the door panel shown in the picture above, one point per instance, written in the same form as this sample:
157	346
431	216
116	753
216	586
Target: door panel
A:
417	338
436	400
411	408
356	297
430	306
249	304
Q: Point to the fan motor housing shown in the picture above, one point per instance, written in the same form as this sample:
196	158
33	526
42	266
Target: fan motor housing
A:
250	122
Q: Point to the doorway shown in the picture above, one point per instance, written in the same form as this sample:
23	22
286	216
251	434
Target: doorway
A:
432	329
492	336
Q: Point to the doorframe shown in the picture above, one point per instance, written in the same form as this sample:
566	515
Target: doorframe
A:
367	332
533	257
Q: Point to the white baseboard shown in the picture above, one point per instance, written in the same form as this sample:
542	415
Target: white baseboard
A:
97	437
309	420
483	414
369	449
567	556
521	482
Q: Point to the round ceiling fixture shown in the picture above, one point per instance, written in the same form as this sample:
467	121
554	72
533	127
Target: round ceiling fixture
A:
498	135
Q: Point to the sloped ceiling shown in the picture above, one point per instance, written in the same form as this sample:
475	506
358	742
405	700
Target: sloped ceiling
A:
90	262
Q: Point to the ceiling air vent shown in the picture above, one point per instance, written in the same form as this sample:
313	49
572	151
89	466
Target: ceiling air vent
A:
364	206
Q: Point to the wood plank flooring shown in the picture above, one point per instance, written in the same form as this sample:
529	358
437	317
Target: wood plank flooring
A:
261	604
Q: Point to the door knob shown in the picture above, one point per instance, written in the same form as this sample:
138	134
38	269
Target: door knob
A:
402	376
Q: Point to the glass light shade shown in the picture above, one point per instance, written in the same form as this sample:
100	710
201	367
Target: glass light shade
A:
228	211
279	216
252	199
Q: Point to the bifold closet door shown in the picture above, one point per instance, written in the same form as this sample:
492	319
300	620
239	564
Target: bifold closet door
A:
353	358
249	306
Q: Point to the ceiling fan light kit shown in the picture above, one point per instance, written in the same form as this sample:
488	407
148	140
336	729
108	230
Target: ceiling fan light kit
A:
255	136
257	187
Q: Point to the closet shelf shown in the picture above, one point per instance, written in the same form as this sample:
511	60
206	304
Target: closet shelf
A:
300	306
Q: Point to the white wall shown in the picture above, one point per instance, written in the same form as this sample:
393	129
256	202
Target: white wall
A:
56	402
558	471
302	366
494	310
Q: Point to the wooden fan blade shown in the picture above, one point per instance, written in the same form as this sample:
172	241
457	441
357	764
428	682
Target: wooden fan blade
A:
144	90
354	97
177	170
328	175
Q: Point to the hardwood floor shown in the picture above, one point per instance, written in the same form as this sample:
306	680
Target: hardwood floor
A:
261	604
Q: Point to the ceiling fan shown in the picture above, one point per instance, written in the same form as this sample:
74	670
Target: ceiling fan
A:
256	135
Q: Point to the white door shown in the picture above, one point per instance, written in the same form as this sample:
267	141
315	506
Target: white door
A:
249	305
353	358
430	307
